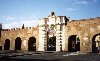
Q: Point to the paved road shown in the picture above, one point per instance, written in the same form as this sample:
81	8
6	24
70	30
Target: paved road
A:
48	56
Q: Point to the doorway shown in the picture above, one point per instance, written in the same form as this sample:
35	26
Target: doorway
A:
96	43
18	43
73	43
7	44
32	44
51	44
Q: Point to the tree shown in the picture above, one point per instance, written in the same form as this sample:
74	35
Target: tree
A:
23	26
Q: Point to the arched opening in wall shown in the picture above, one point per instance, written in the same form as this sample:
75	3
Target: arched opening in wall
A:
7	44
73	43
18	43
96	43
32	44
51	44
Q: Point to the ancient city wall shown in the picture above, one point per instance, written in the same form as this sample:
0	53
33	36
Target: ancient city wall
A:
85	29
24	34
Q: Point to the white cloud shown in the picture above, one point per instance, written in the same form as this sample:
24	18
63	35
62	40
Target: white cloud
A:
71	9
84	2
8	17
27	23
10	25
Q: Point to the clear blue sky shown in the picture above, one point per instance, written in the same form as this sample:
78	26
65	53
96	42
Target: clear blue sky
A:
20	11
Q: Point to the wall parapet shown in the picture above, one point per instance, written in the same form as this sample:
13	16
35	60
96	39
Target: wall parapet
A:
12	29
85	21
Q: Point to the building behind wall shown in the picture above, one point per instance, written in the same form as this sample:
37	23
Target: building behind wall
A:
55	33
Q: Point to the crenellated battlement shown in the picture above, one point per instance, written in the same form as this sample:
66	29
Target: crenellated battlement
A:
5	29
14	29
85	21
73	22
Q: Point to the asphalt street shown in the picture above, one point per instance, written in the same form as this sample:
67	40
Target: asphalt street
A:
47	56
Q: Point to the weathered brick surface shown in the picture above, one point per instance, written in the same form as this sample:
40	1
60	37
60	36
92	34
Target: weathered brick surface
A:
24	34
85	29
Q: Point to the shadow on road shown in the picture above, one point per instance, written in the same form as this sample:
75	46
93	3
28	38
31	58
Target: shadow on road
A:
28	60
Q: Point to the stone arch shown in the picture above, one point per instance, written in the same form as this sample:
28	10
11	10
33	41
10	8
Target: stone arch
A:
7	44
32	44
95	43
18	43
73	43
51	44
